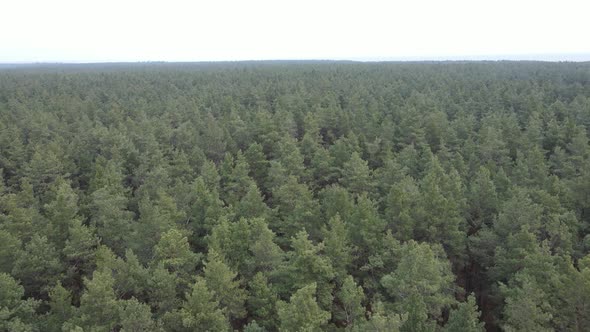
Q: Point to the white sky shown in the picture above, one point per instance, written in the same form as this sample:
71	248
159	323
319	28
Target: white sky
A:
177	30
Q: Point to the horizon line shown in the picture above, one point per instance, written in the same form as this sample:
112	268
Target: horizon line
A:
540	57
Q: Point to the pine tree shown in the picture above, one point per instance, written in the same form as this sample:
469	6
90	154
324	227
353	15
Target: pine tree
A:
389	174
526	306
380	320
130	276
212	140
79	252
225	287
350	296
155	218
201	312
16	314
322	168
206	211
61	212
21	216
296	207
107	174
277	176
417	315
306	265
290	157
232	240
336	200
440	212
235	178
356	175
367	228
61	309
136	317
112	220
261	303
422	277
254	327
341	152
99	309
173	252
9	249
210	176
401	205
252	205
337	246
163	291
573	294
37	266
266	254
258	163
302	313
483	199
465	318
48	163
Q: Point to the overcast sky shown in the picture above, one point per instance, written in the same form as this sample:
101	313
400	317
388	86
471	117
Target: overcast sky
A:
176	30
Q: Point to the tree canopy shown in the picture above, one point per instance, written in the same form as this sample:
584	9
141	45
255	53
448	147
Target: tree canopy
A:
295	196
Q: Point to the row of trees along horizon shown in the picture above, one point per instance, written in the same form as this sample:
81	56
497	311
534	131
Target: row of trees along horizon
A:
293	196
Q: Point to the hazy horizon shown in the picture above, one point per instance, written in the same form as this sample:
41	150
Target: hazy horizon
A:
507	57
67	31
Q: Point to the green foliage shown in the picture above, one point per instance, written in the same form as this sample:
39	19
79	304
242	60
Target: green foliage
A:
307	265
254	327
16	313
302	313
37	266
573	294
465	318
61	212
173	253
247	245
136	316
20	213
162	290
440	210
99	309
205	210
261	303
296	207
336	200
266	254
350	298
226	289
79	252
423	278
155	218
235	179
401	205
189	197
110	217
526	307
252	205
201	312
483	201
380	320
9	249
61	309
337	246
258	162
356	175
367	227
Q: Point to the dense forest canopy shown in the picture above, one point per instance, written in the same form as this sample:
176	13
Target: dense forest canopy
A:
295	196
